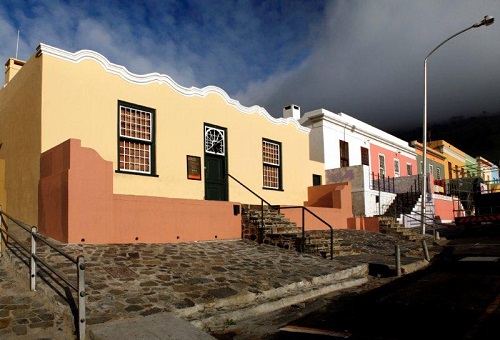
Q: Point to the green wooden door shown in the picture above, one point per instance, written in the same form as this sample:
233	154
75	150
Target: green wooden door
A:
215	179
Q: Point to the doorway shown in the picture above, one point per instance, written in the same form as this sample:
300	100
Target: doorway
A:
215	163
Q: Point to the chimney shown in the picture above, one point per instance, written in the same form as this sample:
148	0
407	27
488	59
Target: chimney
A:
291	111
12	66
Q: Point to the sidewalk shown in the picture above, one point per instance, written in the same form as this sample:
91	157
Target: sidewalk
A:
209	285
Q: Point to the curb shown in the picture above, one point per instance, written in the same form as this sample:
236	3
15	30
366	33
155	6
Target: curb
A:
219	320
414	266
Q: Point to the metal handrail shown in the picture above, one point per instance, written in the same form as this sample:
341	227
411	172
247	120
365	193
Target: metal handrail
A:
34	259
277	207
487	210
386	183
262	200
418	214
304	224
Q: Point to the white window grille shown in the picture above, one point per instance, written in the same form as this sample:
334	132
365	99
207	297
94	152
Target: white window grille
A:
381	160
136	140
215	141
271	158
409	169
396	168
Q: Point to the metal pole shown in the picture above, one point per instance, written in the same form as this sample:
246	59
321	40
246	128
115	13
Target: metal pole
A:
398	260
81	297
426	252
17	43
331	244
379	197
32	259
424	153
486	21
262	215
303	230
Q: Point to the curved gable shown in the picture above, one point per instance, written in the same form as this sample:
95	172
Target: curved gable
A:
155	77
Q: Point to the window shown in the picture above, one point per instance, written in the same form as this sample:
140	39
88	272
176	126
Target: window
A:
431	169
438	173
344	154
409	170
381	160
396	168
215	141
271	158
316	179
136	147
365	158
422	167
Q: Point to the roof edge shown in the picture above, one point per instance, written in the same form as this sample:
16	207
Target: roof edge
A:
155	77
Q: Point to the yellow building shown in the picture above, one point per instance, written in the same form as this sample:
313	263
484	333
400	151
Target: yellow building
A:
456	159
85	143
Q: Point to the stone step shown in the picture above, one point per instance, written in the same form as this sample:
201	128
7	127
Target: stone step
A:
216	316
399	229
268	217
407	234
280	231
325	253
317	241
343	250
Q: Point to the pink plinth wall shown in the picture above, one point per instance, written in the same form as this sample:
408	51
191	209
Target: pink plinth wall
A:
77	205
446	209
333	204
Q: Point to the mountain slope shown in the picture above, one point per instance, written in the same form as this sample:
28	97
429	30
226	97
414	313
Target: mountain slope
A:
475	135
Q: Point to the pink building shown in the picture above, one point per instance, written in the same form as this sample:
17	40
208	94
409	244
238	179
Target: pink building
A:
378	164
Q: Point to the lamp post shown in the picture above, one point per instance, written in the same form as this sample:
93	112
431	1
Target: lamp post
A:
487	20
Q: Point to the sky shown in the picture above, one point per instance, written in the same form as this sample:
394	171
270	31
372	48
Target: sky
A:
364	58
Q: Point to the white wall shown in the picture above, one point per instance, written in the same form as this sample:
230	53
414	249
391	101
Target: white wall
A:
328	128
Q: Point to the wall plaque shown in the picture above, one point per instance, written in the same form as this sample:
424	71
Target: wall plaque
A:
194	167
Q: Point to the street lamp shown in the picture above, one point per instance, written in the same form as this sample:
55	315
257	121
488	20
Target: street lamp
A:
485	22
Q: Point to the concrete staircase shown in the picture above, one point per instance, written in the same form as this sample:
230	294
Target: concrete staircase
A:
403	203
318	242
279	231
390	226
406	208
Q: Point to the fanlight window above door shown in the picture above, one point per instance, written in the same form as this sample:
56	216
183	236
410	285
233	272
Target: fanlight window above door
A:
214	141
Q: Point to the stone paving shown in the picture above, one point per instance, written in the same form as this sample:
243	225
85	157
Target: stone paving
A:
187	279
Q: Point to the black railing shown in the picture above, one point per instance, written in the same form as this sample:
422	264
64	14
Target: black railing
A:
487	210
382	183
416	216
277	207
395	184
262	201
405	201
30	252
304	209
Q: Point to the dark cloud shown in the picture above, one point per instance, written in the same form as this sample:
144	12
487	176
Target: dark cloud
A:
368	61
364	58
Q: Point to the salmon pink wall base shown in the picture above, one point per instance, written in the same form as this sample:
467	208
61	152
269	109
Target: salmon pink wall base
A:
77	205
444	207
333	204
363	223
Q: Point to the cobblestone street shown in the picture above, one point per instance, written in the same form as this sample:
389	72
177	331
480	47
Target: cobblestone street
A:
192	280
